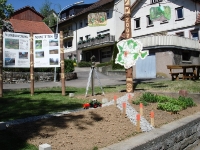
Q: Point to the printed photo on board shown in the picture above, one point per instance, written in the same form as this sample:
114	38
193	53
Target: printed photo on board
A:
12	43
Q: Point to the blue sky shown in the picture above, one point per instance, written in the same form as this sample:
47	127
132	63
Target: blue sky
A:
17	4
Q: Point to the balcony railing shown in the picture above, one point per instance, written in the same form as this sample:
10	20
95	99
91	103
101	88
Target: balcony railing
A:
96	41
169	41
68	34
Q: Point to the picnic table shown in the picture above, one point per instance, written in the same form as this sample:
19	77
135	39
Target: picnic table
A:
186	71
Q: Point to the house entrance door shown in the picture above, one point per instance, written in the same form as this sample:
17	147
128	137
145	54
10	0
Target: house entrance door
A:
146	68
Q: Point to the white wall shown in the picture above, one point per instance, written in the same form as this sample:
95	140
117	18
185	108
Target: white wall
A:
142	10
115	24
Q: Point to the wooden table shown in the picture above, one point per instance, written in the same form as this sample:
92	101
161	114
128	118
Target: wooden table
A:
176	70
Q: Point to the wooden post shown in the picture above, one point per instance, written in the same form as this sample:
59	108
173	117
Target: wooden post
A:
152	118
141	109
1	63
31	65
62	63
127	17
115	100
138	122
124	108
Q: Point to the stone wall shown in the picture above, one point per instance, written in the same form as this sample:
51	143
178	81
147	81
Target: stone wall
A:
12	77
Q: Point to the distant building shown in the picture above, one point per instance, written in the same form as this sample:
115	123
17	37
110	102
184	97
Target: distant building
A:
28	20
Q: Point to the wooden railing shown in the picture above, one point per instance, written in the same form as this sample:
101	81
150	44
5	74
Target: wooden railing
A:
97	41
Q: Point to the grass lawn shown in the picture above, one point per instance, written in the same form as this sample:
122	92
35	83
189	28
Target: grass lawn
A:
18	104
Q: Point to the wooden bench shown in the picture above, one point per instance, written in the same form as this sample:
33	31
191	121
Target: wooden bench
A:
184	74
175	75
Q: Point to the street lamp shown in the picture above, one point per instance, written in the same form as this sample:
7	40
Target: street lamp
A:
77	3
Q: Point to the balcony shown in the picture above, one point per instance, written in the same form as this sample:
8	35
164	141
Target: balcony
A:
68	34
169	41
97	42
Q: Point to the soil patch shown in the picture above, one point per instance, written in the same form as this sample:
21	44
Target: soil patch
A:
99	127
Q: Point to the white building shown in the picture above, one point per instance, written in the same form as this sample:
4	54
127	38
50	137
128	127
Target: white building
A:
82	41
170	42
173	41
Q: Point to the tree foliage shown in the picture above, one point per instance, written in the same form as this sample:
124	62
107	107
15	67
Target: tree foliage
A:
47	12
5	10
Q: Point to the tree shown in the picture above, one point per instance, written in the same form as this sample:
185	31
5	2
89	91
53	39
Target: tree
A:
5	12
48	13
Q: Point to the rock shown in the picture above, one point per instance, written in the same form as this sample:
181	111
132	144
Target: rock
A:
183	93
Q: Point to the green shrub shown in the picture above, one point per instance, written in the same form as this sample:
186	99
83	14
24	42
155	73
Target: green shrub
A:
104	64
114	65
84	64
69	66
149	97
137	102
169	107
166	103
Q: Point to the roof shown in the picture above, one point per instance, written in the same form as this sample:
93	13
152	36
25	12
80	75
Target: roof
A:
27	7
98	4
26	26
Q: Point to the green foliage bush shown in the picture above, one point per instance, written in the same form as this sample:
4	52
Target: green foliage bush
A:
69	66
166	103
114	65
84	64
104	64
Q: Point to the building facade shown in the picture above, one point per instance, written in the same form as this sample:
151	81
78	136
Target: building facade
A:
81	41
170	42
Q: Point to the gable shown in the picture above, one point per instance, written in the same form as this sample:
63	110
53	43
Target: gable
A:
27	13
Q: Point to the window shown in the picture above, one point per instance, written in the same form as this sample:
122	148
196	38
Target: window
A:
137	23
70	27
194	35
80	24
179	13
186	56
86	22
180	34
108	14
155	1
63	16
71	13
149	22
68	44
106	53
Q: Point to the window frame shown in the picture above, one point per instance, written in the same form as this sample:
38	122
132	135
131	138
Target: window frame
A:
194	31
135	23
186	54
80	24
182	11
179	33
148	21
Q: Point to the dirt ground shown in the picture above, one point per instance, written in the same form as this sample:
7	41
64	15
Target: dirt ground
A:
92	128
